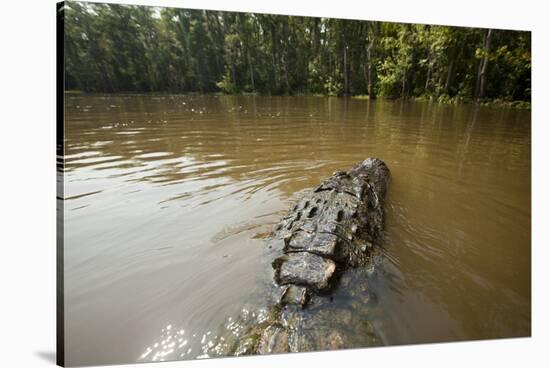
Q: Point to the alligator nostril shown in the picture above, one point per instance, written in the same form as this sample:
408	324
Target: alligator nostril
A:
306	205
312	212
340	216
298	216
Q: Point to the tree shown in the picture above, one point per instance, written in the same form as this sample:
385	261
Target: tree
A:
114	48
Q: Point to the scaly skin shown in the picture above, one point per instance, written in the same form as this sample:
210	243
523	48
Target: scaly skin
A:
330	229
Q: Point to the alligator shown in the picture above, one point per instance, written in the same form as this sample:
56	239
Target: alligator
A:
332	228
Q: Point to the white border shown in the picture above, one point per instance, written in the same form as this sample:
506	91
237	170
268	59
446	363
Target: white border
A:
27	325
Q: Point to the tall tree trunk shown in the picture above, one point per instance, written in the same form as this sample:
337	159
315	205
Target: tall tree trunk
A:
428	76
276	74
346	81
482	77
452	56
404	84
231	56
287	83
450	75
251	71
285	56
371	72
275	58
213	38
233	68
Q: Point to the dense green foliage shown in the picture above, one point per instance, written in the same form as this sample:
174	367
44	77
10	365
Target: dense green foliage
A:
113	48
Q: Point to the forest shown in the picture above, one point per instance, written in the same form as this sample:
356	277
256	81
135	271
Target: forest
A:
123	48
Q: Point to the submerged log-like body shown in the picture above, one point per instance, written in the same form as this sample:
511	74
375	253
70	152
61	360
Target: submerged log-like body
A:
330	229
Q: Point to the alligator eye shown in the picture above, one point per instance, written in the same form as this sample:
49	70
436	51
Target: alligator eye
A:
340	216
298	216
312	212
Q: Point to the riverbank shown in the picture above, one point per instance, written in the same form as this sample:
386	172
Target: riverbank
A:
444	99
496	102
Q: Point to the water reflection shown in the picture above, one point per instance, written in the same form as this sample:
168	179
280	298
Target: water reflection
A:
165	348
168	200
173	344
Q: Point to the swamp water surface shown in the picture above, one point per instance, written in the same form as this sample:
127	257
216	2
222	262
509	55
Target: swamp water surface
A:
169	199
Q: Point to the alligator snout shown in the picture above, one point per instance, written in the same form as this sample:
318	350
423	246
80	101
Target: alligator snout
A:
330	228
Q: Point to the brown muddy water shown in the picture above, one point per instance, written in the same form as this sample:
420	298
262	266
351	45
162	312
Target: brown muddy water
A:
168	200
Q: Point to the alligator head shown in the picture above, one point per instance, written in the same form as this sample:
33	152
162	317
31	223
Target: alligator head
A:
330	228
